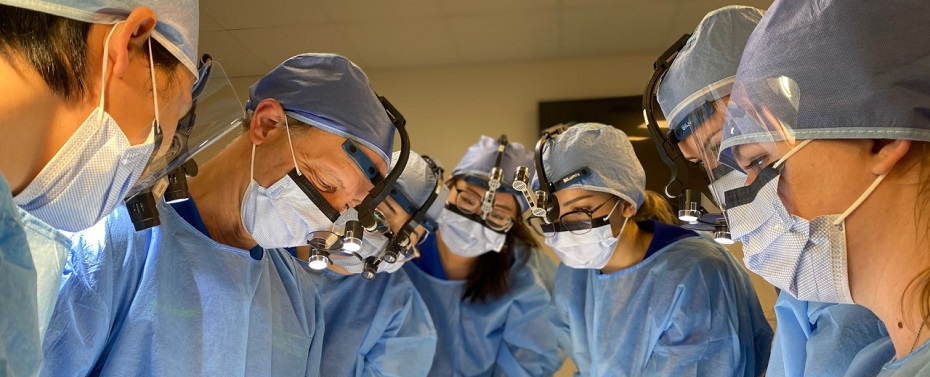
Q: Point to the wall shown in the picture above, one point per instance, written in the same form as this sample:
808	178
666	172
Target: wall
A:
448	108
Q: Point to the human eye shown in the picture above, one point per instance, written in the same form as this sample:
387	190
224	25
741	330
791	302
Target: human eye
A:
321	184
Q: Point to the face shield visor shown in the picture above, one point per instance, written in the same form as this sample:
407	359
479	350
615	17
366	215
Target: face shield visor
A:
215	111
744	151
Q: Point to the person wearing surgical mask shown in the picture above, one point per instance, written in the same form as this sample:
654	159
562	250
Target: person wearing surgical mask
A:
484	280
211	291
829	138
854	337
382	327
91	89
640	298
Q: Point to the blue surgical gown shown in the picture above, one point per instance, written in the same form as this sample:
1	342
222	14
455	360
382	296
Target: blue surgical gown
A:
169	301
917	364
510	336
817	339
32	255
375	328
689	309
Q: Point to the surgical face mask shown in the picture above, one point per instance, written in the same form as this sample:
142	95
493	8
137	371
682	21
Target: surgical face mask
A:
467	237
591	250
280	215
92	172
806	258
733	178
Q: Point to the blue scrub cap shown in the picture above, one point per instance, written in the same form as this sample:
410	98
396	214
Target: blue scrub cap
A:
836	69
417	182
331	93
177	27
595	157
480	158
705	68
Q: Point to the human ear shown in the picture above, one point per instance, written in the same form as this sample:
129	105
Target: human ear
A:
129	35
266	117
887	153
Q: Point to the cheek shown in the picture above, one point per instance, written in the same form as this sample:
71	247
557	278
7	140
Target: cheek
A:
811	187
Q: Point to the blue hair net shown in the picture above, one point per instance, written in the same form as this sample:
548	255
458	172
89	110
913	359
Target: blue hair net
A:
417	182
177	27
481	156
829	69
705	68
331	93
595	157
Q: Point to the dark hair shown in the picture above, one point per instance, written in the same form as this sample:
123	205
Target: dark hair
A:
490	275
56	47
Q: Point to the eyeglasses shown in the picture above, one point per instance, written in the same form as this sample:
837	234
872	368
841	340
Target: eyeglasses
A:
470	203
381	222
580	221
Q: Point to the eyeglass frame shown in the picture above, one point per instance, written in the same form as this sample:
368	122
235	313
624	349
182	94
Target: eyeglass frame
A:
473	215
596	222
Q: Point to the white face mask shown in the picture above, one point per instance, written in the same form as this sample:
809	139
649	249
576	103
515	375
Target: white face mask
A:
466	237
591	250
92	172
280	215
806	258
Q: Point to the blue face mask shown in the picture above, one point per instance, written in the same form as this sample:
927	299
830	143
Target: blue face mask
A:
92	172
806	258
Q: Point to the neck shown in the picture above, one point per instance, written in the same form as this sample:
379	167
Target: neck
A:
218	190
456	266
630	249
880	277
35	122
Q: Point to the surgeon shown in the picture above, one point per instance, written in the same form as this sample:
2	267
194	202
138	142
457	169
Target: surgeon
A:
829	141
90	90
482	276
381	327
693	94
212	291
640	298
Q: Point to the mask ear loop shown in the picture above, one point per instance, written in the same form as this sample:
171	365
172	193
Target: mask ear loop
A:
103	79
156	127
858	202
625	219
792	152
290	144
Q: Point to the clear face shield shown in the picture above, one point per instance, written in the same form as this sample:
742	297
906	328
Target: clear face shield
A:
696	211
215	111
743	152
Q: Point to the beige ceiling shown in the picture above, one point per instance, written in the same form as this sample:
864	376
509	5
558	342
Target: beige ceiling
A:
250	37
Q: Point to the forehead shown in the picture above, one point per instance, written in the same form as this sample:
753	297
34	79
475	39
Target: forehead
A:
575	193
501	198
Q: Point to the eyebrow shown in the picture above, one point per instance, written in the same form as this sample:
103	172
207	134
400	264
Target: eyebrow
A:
570	202
390	207
337	181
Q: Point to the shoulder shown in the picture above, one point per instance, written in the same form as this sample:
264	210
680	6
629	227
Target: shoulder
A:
696	255
532	269
113	239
